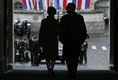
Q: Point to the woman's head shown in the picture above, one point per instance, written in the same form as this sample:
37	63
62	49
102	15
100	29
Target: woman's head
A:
51	11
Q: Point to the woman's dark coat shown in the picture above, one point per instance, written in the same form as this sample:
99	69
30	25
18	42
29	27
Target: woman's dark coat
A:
48	37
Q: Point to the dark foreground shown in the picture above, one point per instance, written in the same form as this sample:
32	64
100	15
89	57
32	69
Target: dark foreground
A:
60	75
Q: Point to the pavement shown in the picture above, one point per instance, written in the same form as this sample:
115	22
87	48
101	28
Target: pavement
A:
97	56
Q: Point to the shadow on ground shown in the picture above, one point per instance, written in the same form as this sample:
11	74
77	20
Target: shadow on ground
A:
60	75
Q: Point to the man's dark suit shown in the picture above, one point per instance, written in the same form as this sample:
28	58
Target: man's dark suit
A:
72	36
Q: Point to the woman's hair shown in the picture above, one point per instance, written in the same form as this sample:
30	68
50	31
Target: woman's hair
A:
51	10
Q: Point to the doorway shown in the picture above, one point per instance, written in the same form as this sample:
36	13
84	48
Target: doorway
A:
98	49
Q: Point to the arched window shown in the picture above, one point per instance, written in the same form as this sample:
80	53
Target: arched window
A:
17	6
102	5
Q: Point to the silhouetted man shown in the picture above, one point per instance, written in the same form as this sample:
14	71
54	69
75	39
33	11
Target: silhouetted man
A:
72	36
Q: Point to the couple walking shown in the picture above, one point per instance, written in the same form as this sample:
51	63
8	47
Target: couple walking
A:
71	31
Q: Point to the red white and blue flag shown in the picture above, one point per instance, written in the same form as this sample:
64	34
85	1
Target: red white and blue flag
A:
30	4
65	2
58	4
83	4
24	4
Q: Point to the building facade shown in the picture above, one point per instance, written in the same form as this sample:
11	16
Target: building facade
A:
94	5
93	16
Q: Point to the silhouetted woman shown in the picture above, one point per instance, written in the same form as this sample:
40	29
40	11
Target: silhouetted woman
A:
48	39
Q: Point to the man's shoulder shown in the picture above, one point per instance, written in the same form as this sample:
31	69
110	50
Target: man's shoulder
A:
44	19
64	16
78	14
75	13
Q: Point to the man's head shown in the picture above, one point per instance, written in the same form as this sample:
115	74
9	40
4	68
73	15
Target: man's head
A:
51	11
70	7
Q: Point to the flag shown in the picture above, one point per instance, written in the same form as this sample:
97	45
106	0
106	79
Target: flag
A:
50	2
64	4
83	4
61	4
88	5
58	5
37	4
69	1
54	3
32	6
79	4
41	4
33	2
24	4
47	3
28	5
74	1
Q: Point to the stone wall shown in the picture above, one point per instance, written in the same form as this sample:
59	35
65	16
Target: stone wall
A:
94	20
